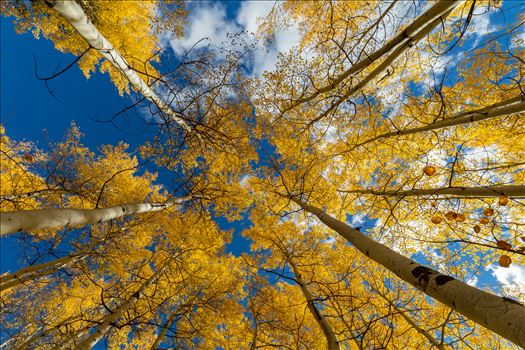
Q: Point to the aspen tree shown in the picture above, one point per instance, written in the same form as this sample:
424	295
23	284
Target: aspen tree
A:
508	107
115	315
501	315
510	191
74	14
29	220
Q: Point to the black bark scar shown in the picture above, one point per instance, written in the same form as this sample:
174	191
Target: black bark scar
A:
509	300
442	279
422	275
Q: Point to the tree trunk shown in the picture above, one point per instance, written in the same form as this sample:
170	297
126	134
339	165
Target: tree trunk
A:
69	343
507	107
410	39
29	220
33	194
331	338
162	333
41	333
501	315
511	191
404	37
410	321
112	318
74	14
30	272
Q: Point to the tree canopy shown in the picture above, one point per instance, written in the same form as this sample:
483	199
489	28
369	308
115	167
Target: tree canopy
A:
362	188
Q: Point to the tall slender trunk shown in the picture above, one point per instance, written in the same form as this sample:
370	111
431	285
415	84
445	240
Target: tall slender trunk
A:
511	191
410	321
331	338
255	334
29	220
501	315
162	333
402	38
33	194
42	332
75	15
31	272
411	39
70	342
112	318
507	107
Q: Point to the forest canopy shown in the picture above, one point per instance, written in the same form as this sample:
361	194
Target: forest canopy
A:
256	175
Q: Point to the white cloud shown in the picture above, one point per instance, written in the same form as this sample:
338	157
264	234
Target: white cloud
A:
472	281
357	220
210	21
207	20
512	275
251	12
481	25
330	240
512	280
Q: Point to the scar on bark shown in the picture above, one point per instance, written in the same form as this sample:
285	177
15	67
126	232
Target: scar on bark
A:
422	275
442	279
509	300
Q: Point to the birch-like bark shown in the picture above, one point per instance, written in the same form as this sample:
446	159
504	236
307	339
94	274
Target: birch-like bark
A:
501	315
69	343
29	220
75	15
445	8
31	272
331	338
511	191
255	334
410	321
402	38
112	318
33	194
162	333
504	108
42	332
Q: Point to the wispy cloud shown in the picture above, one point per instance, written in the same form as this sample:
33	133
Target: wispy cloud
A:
210	25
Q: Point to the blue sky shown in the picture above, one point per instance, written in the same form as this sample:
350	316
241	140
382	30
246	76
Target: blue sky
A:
30	112
27	108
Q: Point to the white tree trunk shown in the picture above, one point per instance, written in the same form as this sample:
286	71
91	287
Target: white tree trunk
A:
331	338
508	107
503	316
411	38
30	272
511	191
33	194
111	319
417	25
410	321
162	333
29	220
74	14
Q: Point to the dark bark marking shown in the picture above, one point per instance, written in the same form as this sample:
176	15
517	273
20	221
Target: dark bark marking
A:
422	275
509	300
442	279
